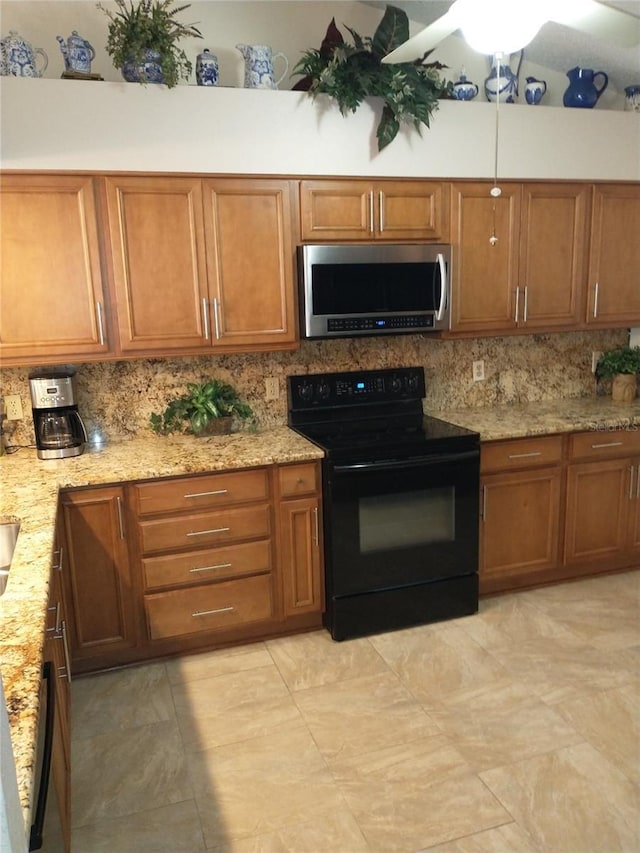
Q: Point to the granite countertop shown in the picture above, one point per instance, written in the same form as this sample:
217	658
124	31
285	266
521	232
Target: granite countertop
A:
30	493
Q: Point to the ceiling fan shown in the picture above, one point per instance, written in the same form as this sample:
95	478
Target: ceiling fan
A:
496	27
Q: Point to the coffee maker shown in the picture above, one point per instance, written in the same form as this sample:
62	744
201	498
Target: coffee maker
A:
59	429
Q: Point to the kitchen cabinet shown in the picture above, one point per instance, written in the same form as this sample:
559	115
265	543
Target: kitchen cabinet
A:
521	482
202	264
300	541
532	276
603	499
614	259
373	210
97	578
53	305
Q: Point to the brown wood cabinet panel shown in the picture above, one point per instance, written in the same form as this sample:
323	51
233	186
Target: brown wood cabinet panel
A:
211	564
53	301
194	493
204	528
336	210
521	453
298	479
300	555
211	607
614	262
411	210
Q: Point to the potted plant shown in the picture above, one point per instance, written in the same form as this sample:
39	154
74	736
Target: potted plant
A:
352	72
143	40
207	408
623	367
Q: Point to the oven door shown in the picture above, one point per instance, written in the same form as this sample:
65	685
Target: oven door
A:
392	524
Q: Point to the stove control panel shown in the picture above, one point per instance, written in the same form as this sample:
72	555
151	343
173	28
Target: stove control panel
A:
355	388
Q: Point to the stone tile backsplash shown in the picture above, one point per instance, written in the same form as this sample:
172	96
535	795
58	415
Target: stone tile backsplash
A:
116	398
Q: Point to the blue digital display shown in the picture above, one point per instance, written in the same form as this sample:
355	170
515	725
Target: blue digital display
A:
381	322
360	386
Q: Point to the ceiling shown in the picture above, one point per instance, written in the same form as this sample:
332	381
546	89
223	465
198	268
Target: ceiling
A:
556	46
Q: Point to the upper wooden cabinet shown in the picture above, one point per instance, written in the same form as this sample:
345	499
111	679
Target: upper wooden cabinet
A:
52	289
201	263
532	276
373	210
614	260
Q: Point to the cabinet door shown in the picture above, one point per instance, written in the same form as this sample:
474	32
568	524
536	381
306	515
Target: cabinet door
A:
410	210
250	258
53	299
552	271
98	590
634	521
300	556
159	267
614	262
485	274
519	532
336	210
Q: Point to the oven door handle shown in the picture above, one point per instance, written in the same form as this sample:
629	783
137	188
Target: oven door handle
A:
37	829
397	464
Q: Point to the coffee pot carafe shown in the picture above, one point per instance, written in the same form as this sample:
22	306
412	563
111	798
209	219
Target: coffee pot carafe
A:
59	429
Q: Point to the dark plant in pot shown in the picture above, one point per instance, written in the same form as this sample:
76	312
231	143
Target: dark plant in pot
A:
622	366
143	39
208	408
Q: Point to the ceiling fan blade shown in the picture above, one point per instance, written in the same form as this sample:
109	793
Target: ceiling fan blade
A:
597	20
427	39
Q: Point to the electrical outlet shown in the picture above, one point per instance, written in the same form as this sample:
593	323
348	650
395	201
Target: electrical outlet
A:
595	358
478	371
13	407
271	388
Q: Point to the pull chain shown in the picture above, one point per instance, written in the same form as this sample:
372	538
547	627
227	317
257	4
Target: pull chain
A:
495	189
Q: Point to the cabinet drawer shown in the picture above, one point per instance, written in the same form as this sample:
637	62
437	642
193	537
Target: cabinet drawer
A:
204	528
209	608
297	480
604	444
210	564
200	492
521	453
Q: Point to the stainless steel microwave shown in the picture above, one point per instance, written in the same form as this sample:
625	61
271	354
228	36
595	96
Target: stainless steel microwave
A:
355	290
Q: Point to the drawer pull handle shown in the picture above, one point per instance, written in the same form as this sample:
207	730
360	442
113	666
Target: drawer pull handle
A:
210	568
206	494
210	612
631	482
607	444
214	530
120	519
523	455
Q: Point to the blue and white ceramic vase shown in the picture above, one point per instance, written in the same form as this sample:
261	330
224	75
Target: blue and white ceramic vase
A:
534	90
632	98
206	68
259	66
18	57
502	83
77	52
463	89
583	90
147	71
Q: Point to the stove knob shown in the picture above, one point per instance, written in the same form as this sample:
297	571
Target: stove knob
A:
396	384
305	391
323	390
412	382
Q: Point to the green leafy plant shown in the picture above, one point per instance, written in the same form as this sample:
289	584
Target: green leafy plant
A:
203	402
150	25
351	72
622	360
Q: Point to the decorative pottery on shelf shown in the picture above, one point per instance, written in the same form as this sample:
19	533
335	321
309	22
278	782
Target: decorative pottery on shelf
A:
534	90
77	52
632	98
624	387
259	70
583	90
463	89
19	59
502	83
147	71
207	68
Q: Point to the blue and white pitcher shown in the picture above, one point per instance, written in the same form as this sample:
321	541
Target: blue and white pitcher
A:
258	66
534	90
502	82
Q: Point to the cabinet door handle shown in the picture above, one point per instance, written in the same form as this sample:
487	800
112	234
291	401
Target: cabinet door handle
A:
317	527
56	627
120	519
210	568
60	552
631	482
381	210
525	455
515	319
65	646
213	530
595	299
100	324
205	317
210	612
607	444
526	304
206	494
371	212
216	317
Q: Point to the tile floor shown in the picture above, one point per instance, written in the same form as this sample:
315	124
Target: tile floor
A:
514	730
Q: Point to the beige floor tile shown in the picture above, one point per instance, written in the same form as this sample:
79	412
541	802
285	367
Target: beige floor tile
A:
261	785
120	700
434	661
127	771
610	721
313	659
410	797
223	662
502	723
572	800
234	707
335	832
509	838
356	716
170	829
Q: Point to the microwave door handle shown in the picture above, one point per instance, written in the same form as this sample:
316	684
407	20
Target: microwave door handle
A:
444	285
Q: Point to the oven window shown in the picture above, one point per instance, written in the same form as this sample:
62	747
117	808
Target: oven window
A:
406	519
